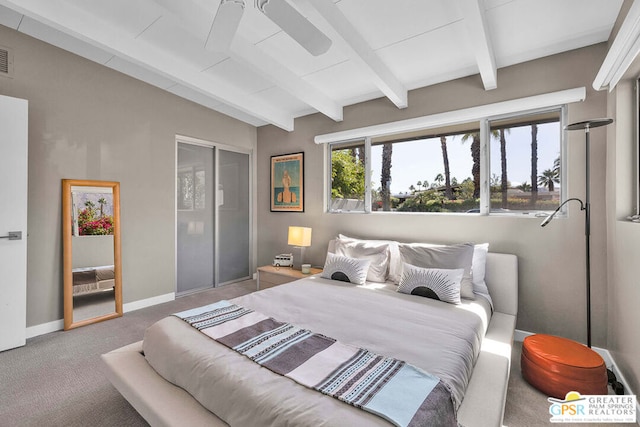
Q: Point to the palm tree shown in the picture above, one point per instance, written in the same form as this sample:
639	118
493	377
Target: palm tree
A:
438	180
524	186
475	155
412	188
419	184
91	208
102	201
385	176
534	165
448	193
503	166
358	154
548	179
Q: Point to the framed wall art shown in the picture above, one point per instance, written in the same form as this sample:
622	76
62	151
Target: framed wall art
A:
287	183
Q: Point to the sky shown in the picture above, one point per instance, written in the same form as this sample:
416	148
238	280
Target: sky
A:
419	160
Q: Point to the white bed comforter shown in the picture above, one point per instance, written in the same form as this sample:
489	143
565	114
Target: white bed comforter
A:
443	339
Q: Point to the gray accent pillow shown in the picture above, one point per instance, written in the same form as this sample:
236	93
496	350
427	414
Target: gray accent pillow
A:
376	252
345	269
395	264
436	283
445	257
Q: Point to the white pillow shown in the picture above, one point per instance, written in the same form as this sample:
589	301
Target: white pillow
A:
436	283
478	270
345	269
376	252
444	257
395	262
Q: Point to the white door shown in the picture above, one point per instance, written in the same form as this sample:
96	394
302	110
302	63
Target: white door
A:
13	222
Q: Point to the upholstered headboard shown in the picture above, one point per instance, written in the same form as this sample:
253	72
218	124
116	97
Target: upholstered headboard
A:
501	277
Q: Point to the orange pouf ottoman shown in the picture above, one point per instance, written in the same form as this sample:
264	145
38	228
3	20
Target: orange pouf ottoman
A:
556	366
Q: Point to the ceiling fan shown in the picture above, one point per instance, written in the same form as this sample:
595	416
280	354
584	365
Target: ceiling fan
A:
225	24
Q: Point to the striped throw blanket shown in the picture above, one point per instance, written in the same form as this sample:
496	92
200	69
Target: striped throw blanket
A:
387	387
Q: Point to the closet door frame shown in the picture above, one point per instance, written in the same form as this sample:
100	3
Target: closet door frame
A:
216	146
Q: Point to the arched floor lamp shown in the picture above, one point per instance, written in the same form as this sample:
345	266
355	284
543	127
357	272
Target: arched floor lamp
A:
586	206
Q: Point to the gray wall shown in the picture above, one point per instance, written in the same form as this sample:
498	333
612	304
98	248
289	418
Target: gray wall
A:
552	277
87	121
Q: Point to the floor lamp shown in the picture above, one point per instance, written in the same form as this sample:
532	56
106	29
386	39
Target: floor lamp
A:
586	206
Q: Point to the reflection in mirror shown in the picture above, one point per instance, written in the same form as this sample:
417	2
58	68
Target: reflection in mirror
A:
91	237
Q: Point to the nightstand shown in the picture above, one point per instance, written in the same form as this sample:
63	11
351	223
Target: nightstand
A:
269	275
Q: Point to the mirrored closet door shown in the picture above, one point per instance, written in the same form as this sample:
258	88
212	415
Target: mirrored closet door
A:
213	216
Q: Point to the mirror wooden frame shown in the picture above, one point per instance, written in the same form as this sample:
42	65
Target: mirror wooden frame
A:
67	184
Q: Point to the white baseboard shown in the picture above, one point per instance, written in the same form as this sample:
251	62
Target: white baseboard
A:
58	325
148	302
45	328
519	336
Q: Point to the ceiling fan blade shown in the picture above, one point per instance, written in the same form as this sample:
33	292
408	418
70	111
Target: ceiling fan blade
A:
295	25
225	24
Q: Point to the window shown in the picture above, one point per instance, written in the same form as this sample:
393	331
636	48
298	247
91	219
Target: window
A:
347	177
444	169
526	163
191	186
428	172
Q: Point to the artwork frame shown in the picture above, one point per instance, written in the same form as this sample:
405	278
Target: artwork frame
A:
287	182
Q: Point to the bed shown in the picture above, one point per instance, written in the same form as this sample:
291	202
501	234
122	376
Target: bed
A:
93	279
154	373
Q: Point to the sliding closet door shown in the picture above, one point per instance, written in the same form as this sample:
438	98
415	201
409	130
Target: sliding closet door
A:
195	253
213	230
234	216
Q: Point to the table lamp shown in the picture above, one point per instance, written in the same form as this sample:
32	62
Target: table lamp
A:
299	238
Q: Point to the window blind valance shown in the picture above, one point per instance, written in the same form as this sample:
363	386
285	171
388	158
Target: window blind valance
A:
458	116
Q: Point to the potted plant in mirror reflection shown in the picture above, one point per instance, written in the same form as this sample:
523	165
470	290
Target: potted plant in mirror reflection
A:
96	216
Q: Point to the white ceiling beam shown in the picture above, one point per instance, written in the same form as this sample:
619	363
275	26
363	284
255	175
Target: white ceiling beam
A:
63	17
245	52
9	18
623	51
362	53
479	40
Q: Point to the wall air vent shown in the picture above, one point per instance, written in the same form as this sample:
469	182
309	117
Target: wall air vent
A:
6	62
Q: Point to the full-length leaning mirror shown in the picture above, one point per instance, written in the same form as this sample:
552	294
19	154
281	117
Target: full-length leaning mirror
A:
91	246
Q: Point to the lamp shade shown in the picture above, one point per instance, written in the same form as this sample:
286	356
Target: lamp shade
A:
299	236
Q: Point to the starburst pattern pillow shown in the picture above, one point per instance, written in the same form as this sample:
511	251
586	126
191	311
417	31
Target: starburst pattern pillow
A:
345	269
436	283
449	257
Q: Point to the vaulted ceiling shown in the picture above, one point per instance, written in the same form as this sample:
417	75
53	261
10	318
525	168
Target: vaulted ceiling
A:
379	48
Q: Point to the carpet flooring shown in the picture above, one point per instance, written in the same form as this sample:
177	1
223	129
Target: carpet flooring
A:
58	379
